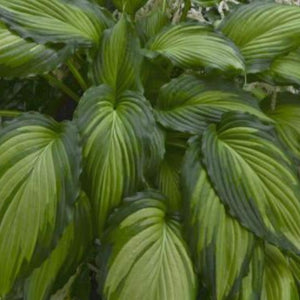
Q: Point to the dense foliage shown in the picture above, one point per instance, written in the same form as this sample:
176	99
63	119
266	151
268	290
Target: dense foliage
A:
149	150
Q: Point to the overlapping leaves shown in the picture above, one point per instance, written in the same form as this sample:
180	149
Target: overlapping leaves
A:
144	255
39	179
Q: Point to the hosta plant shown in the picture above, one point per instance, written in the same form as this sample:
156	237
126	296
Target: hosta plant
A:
147	155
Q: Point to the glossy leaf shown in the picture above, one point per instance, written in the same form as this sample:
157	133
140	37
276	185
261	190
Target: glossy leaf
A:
144	255
263	31
118	61
194	45
115	133
221	247
54	21
255	177
65	258
188	104
39	172
21	58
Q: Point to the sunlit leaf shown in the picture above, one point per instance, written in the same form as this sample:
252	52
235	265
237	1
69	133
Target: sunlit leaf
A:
144	255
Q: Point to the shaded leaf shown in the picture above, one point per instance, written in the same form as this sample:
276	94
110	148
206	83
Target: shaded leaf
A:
39	172
144	255
129	6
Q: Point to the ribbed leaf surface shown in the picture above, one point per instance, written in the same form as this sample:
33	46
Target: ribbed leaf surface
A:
188	104
20	58
145	255
39	172
263	31
196	45
255	177
115	133
53	21
221	246
65	258
118	60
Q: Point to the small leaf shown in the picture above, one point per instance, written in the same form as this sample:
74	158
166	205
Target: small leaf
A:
188	104
65	258
263	31
221	247
193	45
115	132
255	177
129	6
39	182
144	255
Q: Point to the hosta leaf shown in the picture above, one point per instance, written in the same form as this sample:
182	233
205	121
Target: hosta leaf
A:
55	21
65	258
20	58
263	31
255	177
118	60
168	176
194	45
115	133
188	104
287	117
221	246
39	171
144	255
129	6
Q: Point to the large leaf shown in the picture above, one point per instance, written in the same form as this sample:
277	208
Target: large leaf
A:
221	246
269	277
263	31
255	177
188	104
65	258
115	133
287	117
144	255
39	172
118	60
193	45
55	21
20	58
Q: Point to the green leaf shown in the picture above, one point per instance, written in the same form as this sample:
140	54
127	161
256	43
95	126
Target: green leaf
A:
21	58
115	132
129	6
263	31
192	45
118	61
221	247
287	121
255	177
144	255
54	21
65	258
294	265
39	182
188	104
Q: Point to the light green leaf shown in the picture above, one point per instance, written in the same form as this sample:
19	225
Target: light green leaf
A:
54	21
21	58
255	177
129	6
287	121
144	255
221	247
115	132
188	104
263	31
294	265
118	61
193	45
39	182
65	258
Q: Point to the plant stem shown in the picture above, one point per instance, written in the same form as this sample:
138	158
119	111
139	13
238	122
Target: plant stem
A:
77	75
59	84
9	113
